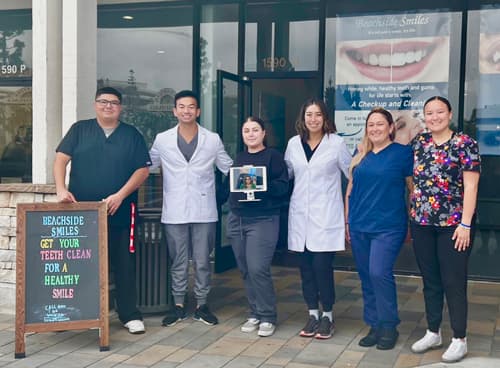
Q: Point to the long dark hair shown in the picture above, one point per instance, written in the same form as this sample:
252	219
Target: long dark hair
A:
300	124
439	98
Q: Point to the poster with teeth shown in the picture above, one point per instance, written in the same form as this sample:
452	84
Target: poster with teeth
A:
488	112
393	61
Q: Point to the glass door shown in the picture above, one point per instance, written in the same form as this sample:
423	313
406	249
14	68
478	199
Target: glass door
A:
278	101
234	104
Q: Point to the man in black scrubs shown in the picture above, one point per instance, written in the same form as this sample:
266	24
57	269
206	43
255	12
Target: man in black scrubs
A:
109	161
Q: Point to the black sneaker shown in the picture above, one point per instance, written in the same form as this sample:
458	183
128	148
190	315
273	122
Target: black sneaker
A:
325	329
174	315
369	340
310	328
204	315
387	338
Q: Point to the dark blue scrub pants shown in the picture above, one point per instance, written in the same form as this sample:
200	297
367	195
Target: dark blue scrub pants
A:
375	254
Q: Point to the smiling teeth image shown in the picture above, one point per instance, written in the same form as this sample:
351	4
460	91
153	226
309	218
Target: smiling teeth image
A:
396	59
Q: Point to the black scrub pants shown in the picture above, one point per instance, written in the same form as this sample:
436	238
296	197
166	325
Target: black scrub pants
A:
123	266
316	272
444	273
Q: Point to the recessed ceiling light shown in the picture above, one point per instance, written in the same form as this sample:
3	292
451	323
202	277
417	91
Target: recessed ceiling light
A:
160	52
128	17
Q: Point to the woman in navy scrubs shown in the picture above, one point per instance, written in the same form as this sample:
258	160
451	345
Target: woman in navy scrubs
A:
378	222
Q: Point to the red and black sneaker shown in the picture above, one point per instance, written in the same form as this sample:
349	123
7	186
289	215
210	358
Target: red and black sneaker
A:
325	329
310	328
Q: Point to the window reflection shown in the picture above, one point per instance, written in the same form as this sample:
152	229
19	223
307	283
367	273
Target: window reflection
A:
251	47
148	65
329	75
482	121
16	137
218	51
304	57
15	96
15	44
282	38
149	59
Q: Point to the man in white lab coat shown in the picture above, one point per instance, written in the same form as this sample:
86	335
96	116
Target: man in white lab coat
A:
187	154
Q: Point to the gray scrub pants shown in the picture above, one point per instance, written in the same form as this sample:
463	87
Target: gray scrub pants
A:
253	240
196	240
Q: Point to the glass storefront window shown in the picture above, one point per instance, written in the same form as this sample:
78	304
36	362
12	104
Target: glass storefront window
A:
250	47
146	50
16	138
482	121
146	53
482	108
304	53
15	44
15	96
282	37
329	75
396	61
218	50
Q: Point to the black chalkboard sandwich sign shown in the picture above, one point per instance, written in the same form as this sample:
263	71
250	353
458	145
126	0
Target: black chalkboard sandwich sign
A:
61	269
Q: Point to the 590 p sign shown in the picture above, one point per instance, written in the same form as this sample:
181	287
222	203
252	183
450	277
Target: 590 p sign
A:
12	69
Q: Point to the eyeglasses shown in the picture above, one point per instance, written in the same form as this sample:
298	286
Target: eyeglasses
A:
102	102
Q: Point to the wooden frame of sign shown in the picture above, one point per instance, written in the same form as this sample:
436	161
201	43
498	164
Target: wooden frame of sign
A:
61	269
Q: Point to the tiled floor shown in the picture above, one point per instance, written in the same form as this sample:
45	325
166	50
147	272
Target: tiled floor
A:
191	344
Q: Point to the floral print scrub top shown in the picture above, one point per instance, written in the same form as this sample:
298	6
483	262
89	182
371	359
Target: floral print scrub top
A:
437	197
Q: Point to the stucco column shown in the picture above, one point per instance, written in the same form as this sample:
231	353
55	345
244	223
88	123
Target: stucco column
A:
46	15
79	55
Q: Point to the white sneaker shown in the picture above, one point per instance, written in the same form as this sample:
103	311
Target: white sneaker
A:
136	326
431	340
266	329
456	351
250	325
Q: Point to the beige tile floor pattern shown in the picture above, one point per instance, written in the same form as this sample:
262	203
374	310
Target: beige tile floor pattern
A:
192	344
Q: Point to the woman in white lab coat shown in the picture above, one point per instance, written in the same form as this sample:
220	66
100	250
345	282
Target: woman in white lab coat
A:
316	157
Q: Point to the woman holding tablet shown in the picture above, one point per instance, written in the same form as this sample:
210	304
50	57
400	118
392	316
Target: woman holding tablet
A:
253	227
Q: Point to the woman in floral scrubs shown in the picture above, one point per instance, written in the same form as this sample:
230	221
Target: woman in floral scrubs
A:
446	175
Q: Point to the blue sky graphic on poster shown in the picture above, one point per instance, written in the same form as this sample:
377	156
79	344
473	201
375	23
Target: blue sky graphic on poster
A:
393	61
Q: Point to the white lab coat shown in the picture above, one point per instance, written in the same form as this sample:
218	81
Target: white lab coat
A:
316	215
189	187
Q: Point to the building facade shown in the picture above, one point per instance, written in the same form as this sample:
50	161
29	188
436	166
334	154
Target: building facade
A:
244	57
